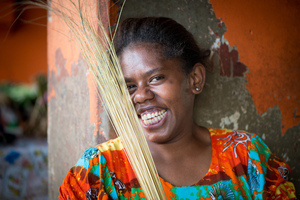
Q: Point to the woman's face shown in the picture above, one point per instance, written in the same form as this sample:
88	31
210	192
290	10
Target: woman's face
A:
160	91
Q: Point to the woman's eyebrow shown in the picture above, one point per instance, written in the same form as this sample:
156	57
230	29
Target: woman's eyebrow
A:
148	73
128	80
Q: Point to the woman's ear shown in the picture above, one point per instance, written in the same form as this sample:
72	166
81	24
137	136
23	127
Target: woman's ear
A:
197	78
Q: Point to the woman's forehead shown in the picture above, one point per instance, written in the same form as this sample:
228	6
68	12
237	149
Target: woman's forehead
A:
143	59
141	51
140	54
150	46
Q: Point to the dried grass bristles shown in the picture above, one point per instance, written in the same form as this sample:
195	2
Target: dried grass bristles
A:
98	50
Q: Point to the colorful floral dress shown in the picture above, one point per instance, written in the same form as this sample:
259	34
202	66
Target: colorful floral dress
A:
242	167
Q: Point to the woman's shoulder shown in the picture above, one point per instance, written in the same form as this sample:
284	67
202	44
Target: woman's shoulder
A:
223	132
111	145
227	137
112	155
249	156
97	172
240	141
101	154
241	144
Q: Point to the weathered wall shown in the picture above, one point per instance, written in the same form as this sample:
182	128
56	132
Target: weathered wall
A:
75	119
254	80
23	46
266	37
250	64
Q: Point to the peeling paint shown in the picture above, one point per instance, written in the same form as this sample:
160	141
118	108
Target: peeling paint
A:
216	45
95	105
232	119
209	122
230	66
60	63
268	45
63	41
272	59
243	110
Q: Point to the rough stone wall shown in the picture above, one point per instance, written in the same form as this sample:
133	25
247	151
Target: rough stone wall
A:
253	81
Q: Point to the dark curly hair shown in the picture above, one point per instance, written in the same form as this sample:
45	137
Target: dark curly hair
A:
175	41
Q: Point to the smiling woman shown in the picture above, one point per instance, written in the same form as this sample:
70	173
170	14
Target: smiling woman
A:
164	70
158	85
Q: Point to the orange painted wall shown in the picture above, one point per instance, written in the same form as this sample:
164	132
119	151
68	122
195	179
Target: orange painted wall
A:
266	36
23	52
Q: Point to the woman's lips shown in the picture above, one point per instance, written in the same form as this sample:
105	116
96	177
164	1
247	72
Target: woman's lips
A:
153	118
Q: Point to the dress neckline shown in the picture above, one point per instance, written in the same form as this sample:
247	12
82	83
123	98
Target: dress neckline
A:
209	169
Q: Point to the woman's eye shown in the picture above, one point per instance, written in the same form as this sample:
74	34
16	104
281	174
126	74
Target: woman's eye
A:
130	87
157	78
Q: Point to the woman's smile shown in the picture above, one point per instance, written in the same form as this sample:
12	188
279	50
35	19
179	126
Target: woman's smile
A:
153	118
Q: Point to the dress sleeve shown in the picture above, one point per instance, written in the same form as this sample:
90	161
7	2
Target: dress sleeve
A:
268	175
88	179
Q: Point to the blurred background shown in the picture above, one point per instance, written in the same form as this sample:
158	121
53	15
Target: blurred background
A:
23	102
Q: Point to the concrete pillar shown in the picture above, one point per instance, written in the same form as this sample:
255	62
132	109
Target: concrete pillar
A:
76	120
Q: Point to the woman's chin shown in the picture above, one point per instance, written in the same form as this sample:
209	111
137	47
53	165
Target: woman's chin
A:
157	137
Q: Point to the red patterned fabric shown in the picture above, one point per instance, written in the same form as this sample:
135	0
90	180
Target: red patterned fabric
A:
242	167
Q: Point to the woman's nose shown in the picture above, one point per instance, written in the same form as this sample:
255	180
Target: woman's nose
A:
142	94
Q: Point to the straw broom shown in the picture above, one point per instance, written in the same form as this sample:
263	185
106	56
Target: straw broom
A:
98	50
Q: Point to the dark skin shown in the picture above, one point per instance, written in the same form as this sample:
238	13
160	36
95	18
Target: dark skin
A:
180	148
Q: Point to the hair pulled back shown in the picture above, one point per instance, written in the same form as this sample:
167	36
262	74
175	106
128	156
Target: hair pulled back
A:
175	41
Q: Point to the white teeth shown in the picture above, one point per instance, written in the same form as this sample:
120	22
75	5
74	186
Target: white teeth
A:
152	118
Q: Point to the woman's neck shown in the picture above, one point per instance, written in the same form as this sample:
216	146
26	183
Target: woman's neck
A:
184	162
184	144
